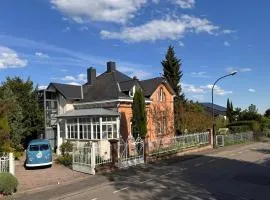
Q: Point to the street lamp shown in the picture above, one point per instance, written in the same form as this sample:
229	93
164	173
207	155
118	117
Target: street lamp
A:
213	115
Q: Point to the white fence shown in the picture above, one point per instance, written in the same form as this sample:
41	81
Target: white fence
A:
229	139
7	163
174	144
86	158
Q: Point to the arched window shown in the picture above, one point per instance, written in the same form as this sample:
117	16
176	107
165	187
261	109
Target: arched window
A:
161	95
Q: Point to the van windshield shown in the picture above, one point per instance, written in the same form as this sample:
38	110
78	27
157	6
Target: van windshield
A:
38	147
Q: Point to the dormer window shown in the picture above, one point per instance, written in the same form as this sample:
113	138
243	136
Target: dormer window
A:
132	91
161	95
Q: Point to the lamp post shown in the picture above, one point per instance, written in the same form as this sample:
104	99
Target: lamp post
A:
213	114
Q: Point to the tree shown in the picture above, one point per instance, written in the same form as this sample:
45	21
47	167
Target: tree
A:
23	94
4	127
139	117
250	114
229	111
172	72
267	113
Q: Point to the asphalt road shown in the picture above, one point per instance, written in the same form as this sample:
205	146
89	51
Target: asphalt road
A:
238	172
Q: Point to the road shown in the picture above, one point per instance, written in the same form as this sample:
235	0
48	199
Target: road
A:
239	172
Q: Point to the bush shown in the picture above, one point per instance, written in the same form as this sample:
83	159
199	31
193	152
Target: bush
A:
65	160
17	155
66	148
246	126
8	183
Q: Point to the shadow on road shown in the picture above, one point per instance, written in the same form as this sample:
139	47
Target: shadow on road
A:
203	178
264	151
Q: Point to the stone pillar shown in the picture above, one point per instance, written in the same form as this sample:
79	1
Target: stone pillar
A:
146	148
211	137
11	164
114	152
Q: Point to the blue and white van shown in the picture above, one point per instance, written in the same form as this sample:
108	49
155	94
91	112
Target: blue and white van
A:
38	153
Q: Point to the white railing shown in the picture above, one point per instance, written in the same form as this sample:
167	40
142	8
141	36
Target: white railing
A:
174	144
238	138
103	157
7	163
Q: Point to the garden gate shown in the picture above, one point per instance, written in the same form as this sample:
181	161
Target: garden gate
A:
131	152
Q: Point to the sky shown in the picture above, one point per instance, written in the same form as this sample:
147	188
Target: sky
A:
57	40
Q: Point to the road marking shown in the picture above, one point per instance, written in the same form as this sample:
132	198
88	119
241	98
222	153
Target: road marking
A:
125	188
146	181
198	164
240	152
95	199
233	154
212	160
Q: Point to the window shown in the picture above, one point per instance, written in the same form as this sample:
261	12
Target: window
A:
85	128
161	95
34	148
72	129
161	124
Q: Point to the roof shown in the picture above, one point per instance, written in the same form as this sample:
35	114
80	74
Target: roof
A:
218	110
68	91
89	112
39	141
150	85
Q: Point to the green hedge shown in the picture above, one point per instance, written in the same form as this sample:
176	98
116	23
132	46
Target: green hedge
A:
8	183
65	160
243	126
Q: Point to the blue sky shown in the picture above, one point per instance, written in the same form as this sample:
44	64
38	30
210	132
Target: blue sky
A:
56	40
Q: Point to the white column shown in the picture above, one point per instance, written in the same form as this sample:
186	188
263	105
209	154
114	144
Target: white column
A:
78	129
93	158
59	138
100	124
66	135
11	164
118	126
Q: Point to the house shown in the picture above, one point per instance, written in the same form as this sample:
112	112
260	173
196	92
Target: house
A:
101	109
219	111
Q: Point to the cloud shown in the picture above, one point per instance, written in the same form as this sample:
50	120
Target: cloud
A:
83	11
227	31
81	78
41	55
192	89
163	29
42	87
66	29
251	90
132	71
73	83
217	90
200	75
238	69
185	4
227	44
10	59
181	44
70	58
83	28
189	88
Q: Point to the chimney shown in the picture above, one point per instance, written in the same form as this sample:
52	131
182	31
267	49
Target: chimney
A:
111	66
91	75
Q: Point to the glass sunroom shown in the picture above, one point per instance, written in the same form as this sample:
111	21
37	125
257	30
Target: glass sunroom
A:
88	125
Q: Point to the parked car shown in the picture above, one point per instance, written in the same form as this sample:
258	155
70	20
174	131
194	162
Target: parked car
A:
38	153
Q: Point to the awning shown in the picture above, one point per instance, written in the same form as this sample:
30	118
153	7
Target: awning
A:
89	112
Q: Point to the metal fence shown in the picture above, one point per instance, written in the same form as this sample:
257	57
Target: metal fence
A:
175	144
4	162
237	138
102	157
7	163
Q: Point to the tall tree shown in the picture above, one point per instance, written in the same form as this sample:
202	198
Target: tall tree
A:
267	113
172	71
230	112
139	117
4	127
25	97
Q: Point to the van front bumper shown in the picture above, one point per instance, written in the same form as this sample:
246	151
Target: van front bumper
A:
38	164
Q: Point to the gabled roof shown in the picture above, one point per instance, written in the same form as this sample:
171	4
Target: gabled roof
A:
150	85
106	87
68	91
